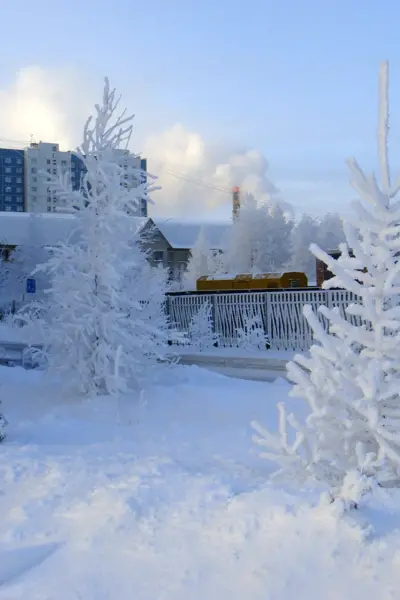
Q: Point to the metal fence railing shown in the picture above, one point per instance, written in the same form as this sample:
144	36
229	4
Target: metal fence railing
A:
281	313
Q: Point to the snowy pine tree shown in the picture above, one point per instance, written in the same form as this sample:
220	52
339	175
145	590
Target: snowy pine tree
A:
104	324
351	380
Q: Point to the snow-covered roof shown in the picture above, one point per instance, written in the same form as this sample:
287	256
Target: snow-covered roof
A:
50	228
183	233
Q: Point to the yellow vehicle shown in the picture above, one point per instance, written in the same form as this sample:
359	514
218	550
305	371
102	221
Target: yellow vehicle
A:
247	281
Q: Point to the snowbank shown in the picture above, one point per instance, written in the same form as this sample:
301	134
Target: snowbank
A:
164	496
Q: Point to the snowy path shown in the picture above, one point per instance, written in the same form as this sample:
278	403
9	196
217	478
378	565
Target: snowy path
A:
171	505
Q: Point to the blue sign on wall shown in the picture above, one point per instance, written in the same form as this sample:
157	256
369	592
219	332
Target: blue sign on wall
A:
31	286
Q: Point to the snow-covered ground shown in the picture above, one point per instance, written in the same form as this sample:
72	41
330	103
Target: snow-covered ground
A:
164	497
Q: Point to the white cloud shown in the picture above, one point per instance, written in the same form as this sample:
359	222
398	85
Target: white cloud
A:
50	105
196	175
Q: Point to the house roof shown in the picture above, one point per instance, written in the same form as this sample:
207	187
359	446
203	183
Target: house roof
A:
183	233
48	229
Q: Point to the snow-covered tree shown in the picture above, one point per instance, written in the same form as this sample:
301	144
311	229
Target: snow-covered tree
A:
304	233
201	332
202	261
103	327
330	232
259	240
351	379
275	245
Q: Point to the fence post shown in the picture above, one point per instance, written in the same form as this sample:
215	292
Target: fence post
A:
268	317
213	312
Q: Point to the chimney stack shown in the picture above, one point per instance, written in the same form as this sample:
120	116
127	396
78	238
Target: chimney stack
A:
235	202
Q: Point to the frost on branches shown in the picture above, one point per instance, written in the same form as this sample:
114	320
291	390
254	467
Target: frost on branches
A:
351	380
104	327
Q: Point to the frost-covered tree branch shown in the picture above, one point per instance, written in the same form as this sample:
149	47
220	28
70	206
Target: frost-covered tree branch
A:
350	439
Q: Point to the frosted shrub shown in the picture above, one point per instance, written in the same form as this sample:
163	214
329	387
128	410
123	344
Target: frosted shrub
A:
252	335
201	329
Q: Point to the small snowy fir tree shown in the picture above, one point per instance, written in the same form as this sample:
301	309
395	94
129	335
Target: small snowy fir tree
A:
201	329
350	441
103	327
252	335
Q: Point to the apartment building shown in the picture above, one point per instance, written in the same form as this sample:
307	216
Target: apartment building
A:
12	180
39	159
25	187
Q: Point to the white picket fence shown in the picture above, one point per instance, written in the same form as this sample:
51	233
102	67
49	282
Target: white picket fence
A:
281	313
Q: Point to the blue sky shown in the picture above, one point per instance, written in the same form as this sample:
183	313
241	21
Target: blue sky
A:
296	79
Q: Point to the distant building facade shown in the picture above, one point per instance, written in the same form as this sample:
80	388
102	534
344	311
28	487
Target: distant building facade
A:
12	180
25	187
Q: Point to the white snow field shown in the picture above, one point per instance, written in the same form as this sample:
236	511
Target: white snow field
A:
164	497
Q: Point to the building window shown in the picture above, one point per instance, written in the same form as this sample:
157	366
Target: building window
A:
7	179
33	170
7	169
48	161
20	199
19	162
49	209
8	208
19	190
54	148
158	256
18	180
33	161
7	161
64	164
20	209
8	189
34	179
7	198
34	189
18	170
